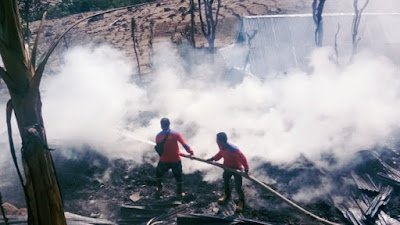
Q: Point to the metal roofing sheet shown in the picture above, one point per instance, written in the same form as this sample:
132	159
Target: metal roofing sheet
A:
282	43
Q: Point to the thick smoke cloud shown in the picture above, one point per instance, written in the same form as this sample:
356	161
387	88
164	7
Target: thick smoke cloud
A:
336	110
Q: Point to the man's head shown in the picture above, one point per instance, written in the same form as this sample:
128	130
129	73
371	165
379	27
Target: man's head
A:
165	123
222	139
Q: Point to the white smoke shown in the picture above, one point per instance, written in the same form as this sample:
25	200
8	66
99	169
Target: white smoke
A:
335	110
91	99
374	6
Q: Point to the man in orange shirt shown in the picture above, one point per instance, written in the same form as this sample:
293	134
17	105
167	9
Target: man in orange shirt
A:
170	158
234	159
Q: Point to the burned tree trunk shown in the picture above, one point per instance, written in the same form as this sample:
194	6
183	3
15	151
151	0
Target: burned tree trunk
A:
356	23
336	45
318	7
192	24
41	187
133	28
209	27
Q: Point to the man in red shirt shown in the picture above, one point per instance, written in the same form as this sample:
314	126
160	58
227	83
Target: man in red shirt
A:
235	159
170	158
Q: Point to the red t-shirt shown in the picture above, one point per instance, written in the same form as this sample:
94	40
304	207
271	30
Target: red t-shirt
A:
233	157
171	148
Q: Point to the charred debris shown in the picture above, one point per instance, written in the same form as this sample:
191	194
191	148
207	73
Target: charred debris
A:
371	190
365	192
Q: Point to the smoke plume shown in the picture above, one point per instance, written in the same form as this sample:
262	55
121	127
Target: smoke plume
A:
335	110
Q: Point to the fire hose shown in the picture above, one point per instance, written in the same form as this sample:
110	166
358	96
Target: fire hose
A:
254	180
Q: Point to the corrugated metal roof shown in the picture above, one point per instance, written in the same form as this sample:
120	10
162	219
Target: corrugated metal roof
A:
283	43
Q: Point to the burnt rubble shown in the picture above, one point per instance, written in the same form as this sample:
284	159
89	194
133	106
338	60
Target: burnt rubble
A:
373	190
365	192
122	191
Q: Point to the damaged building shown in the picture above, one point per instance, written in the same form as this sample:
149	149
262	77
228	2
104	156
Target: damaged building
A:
274	45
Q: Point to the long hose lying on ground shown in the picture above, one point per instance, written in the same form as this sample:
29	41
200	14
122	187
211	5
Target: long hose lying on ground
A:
254	180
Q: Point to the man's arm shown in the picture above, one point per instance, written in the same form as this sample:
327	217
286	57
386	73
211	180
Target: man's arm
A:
243	160
183	143
216	157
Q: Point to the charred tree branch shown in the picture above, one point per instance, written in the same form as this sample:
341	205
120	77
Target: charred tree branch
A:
133	28
192	24
34	50
318	7
39	71
336	45
12	46
9	110
249	43
209	26
355	25
201	20
11	142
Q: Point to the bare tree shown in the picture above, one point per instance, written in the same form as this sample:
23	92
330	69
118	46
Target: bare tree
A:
318	7
192	24
355	25
209	27
151	37
336	45
250	38
23	80
133	28
190	29
22	77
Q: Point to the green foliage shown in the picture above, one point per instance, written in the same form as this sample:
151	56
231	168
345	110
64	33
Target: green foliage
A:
68	7
32	10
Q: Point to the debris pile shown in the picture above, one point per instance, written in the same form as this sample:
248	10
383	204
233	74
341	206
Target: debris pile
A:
373	190
123	191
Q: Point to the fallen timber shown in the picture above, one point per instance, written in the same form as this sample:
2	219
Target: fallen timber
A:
72	219
207	219
254	180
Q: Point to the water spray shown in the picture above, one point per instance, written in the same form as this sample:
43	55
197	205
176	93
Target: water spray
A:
131	135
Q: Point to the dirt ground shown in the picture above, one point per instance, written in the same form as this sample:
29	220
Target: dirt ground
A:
157	21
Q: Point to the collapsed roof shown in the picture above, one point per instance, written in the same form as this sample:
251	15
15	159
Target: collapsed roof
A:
277	44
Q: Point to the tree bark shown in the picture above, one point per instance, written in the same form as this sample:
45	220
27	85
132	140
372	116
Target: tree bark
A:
209	26
318	7
133	28
192	24
43	195
355	25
